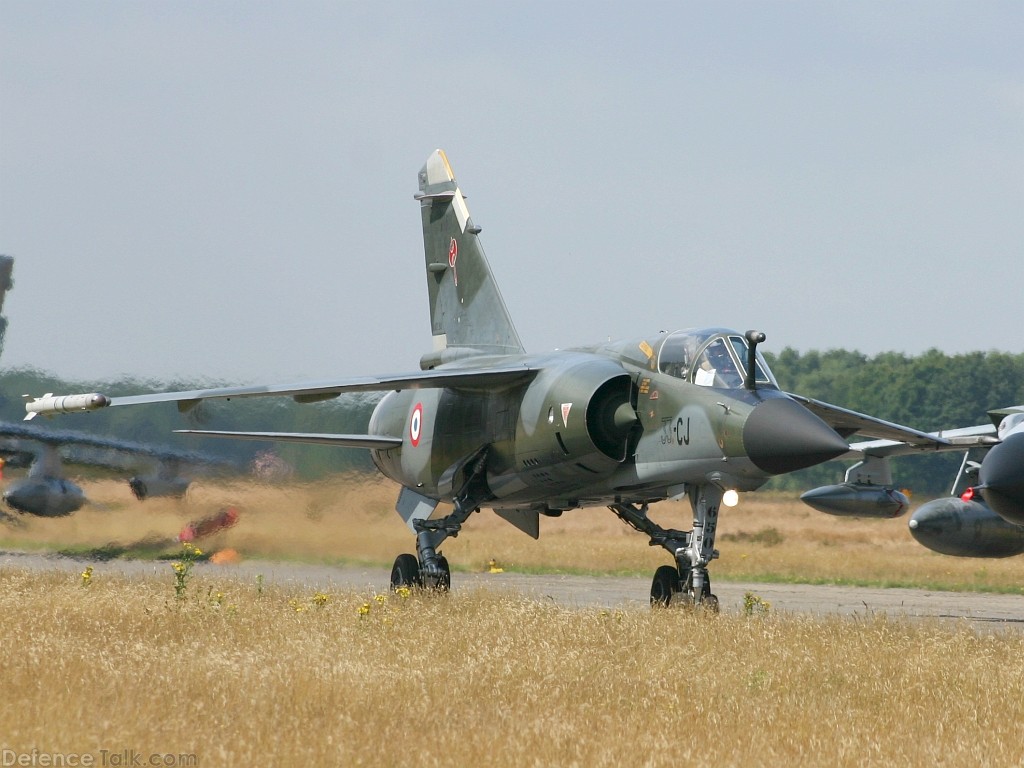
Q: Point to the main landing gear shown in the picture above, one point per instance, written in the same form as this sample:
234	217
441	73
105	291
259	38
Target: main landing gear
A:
406	572
428	568
688	581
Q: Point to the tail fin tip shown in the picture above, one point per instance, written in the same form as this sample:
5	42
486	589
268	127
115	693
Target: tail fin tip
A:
466	308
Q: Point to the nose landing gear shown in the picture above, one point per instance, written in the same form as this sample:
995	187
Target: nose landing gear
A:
688	581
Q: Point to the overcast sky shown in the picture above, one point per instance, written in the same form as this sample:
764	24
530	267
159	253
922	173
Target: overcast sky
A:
224	190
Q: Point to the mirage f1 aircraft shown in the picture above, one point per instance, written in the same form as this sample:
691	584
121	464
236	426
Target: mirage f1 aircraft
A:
693	413
46	492
984	516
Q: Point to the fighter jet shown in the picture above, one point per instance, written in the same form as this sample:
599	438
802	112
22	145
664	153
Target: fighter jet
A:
483	424
983	516
46	492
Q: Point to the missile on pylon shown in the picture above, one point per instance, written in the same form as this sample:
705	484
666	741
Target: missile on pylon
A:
48	404
857	500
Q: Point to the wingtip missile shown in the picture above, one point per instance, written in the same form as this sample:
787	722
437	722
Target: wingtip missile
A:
49	405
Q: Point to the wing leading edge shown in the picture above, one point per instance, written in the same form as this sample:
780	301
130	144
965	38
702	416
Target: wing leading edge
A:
848	423
309	392
895	439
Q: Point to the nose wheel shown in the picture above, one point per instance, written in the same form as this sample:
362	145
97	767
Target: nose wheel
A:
692	550
668	585
705	599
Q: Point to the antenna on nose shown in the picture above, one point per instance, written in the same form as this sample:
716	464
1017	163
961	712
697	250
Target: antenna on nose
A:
753	339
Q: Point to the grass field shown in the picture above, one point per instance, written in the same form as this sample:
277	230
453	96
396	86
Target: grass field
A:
237	673
766	538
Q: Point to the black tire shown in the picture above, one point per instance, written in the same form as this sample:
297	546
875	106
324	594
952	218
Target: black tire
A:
666	583
445	582
709	603
441	582
405	572
705	599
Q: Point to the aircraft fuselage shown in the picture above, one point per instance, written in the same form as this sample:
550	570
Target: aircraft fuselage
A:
611	423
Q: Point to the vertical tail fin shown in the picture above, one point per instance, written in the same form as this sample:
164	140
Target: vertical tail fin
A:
467	313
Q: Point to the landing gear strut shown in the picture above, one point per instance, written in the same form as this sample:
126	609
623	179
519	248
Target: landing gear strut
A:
428	568
692	550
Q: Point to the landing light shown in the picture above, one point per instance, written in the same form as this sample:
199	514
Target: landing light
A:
730	498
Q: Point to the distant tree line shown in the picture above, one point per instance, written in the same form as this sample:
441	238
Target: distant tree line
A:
930	391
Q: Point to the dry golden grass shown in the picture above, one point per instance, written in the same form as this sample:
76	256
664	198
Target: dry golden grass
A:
767	537
235	675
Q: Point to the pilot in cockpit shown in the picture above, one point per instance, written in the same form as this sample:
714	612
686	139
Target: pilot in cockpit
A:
705	374
717	368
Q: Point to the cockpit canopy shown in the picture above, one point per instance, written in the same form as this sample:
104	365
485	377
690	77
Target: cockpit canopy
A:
713	357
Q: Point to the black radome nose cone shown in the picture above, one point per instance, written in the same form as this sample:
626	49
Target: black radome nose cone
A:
782	436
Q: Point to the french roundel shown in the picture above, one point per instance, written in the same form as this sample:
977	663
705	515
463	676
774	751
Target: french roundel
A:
416	424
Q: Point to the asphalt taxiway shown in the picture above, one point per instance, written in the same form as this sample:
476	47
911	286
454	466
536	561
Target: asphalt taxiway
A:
979	610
